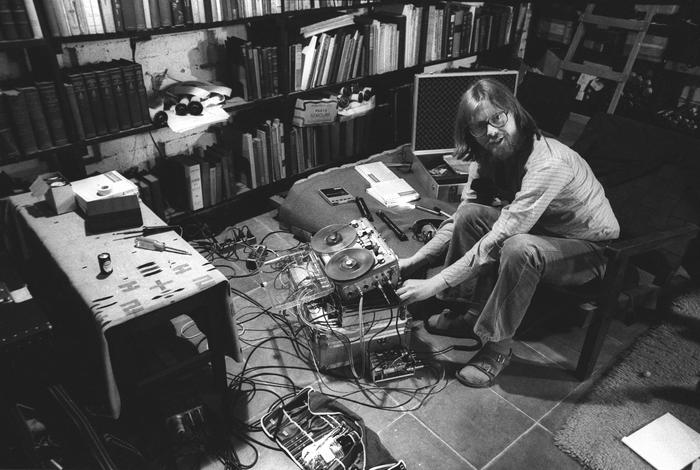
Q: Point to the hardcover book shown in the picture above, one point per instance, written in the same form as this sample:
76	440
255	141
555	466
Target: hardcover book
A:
95	100
52	110
132	95
118	14
104	83
121	99
75	111
19	111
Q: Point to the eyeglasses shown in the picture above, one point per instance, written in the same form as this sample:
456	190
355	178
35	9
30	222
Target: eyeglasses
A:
498	120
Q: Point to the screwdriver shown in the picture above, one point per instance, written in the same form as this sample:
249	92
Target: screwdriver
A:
155	245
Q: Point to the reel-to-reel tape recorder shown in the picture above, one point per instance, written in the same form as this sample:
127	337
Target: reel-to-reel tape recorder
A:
357	260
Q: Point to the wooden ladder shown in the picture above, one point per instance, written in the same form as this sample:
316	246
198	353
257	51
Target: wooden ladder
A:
588	18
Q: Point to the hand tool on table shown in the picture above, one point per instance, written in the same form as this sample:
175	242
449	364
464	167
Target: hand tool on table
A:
155	245
147	230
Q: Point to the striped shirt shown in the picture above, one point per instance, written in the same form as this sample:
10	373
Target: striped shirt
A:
559	193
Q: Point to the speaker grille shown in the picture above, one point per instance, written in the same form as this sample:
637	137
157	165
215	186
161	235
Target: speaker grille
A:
437	97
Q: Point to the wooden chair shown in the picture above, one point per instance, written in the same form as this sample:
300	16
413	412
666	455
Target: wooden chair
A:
605	294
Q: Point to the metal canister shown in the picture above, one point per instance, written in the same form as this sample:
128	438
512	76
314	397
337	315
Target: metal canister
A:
105	263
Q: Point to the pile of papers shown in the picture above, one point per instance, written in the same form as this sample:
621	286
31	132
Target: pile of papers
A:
385	186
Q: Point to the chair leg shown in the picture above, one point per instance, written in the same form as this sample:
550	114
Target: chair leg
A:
592	344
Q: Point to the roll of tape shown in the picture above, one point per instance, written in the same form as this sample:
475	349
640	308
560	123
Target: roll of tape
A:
104	190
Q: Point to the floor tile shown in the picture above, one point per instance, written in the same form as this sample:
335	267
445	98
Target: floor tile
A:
535	450
477	423
533	383
373	404
411	441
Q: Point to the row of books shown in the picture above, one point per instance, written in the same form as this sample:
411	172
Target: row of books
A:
196	181
339	141
263	155
31	120
254	68
78	17
295	5
107	97
18	20
390	39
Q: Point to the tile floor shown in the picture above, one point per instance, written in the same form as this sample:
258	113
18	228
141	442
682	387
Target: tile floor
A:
510	425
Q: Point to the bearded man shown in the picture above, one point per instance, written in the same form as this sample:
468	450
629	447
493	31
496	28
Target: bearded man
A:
532	211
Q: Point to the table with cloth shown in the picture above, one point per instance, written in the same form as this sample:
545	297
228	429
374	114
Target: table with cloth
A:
145	287
304	211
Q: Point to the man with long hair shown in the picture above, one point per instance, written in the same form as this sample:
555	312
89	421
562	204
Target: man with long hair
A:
531	212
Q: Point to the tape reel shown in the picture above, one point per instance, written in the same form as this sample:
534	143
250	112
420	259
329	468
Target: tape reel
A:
333	238
349	264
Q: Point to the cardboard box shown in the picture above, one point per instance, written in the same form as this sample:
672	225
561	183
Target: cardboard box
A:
109	202
56	190
438	179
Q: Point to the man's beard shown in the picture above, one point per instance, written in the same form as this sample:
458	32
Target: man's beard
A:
503	146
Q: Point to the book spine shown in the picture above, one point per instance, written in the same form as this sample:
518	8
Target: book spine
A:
71	14
132	95
22	123
34	19
141	89
52	110
129	15
54	9
187	12
96	105
195	196
248	156
106	90
207	11
147	13
75	111
166	16
83	21
83	104
139	15
21	19
37	118
177	11
107	16
121	100
97	20
206	181
117	12
9	150
155	13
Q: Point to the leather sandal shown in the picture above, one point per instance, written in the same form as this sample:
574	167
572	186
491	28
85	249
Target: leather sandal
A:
449	323
489	362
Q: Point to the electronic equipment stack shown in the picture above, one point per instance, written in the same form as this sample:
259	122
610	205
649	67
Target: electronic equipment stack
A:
341	287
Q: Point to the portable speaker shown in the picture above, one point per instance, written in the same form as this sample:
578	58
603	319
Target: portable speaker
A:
436	97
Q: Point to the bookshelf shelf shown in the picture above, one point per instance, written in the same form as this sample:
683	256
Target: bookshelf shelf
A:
120	134
22	43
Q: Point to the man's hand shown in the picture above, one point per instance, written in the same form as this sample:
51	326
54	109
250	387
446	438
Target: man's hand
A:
414	290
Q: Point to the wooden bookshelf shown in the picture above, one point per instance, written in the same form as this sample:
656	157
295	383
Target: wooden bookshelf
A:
280	104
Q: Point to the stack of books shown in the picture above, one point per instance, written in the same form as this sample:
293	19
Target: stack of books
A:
18	20
196	181
296	5
31	120
263	156
385	186
254	69
79	17
107	97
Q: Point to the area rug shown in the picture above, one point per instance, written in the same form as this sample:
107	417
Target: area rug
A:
659	374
